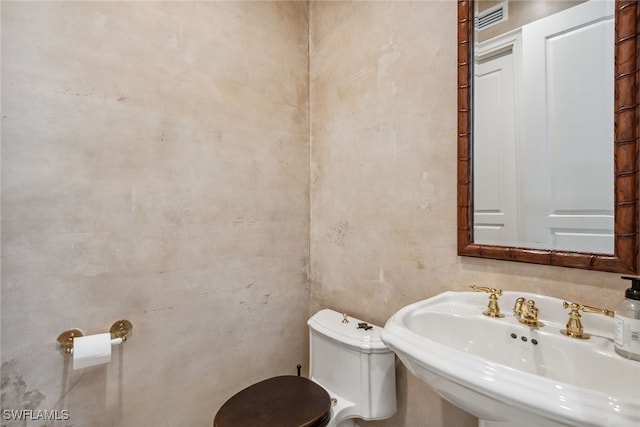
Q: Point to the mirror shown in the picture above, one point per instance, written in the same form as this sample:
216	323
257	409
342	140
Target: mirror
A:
621	177
543	143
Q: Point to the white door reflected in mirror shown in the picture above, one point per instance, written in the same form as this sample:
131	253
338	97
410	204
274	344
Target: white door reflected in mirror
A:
543	133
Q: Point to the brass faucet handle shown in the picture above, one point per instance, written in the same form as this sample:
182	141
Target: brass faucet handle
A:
574	327
588	308
485	289
493	309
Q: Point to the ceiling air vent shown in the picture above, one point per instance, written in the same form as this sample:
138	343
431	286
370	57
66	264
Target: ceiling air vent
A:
492	16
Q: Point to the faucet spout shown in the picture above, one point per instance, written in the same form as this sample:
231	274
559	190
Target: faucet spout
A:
527	312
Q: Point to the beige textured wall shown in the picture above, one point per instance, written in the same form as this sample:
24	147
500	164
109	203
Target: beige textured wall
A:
154	168
383	179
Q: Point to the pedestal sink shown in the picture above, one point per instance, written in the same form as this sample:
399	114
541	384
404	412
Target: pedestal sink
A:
510	374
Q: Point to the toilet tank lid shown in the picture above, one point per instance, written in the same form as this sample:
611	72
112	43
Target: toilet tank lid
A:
329	323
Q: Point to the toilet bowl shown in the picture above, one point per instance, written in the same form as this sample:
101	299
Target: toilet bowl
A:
352	376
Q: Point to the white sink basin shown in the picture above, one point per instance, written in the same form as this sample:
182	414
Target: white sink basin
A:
506	373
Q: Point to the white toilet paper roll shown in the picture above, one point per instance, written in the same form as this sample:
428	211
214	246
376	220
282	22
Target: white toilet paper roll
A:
91	350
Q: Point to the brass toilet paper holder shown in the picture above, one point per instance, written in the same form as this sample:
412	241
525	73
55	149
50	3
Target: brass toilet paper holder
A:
119	329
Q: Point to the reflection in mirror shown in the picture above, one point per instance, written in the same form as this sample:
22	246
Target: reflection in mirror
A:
532	183
543	124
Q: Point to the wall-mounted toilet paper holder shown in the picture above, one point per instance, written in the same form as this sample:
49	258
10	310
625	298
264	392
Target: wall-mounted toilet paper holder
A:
119	329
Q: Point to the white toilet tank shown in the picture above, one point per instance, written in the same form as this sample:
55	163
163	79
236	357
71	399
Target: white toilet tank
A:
352	363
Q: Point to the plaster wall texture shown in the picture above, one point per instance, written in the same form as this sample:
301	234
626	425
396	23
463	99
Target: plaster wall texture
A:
154	168
159	165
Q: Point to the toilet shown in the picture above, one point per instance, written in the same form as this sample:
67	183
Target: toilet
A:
352	375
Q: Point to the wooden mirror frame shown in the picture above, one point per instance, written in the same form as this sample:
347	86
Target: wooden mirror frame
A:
626	133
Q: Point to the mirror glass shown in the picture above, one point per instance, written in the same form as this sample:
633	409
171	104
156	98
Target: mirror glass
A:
543	124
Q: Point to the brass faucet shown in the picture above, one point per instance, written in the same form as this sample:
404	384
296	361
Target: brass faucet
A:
527	312
574	325
493	309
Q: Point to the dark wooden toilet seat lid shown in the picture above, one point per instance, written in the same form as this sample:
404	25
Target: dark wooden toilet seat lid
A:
286	401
